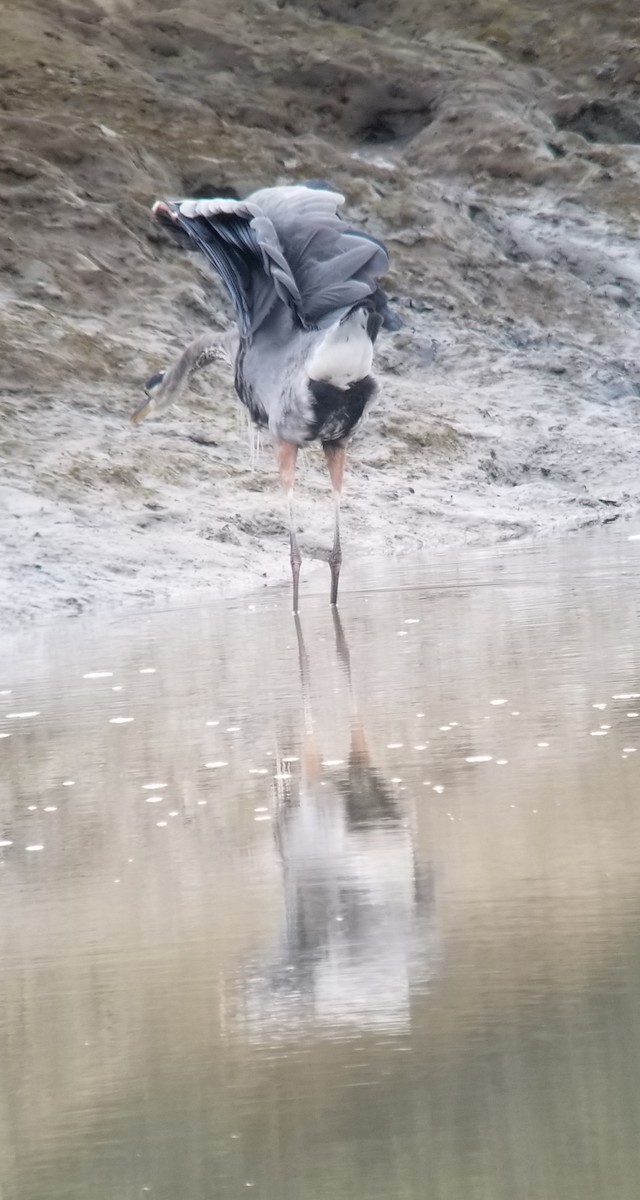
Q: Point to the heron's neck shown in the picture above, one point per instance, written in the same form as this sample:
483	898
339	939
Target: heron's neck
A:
344	355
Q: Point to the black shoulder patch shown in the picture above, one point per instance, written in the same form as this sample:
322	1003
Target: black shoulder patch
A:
247	394
374	325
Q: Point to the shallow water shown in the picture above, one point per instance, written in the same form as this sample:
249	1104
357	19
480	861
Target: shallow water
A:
346	911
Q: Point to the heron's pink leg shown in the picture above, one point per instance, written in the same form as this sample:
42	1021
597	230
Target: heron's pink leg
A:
336	456
287	454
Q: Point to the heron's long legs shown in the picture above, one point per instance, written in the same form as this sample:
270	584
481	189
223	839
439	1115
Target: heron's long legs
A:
336	455
287	454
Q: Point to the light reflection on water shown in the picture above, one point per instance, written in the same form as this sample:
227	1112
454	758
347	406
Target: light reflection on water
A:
348	909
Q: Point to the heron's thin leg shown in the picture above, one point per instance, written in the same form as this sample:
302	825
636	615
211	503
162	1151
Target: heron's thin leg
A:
311	754
359	748
287	454
342	648
335	454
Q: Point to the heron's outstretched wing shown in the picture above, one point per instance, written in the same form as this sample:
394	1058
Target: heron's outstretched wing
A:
390	319
283	244
334	267
241	247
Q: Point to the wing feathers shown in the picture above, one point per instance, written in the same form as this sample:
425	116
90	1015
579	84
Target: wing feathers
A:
282	244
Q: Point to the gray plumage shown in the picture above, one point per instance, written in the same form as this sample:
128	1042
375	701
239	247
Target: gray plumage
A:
305	291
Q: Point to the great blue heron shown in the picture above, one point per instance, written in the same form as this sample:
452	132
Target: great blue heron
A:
304	287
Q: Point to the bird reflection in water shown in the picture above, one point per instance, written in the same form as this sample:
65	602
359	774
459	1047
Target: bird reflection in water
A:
359	922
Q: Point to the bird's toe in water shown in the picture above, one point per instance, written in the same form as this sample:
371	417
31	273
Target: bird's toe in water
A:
335	580
295	577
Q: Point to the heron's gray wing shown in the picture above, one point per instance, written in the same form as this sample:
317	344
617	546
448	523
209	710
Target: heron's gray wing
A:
334	267
242	245
390	319
283	244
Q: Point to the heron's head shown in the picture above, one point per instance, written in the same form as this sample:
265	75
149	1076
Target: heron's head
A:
152	388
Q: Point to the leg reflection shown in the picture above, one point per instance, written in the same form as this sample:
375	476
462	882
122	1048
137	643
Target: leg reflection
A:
359	925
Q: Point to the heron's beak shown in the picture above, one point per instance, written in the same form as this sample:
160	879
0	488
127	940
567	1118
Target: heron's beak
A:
143	411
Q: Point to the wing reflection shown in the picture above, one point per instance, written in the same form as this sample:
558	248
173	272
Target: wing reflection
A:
359	921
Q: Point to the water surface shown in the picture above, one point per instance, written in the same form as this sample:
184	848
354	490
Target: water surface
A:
345	910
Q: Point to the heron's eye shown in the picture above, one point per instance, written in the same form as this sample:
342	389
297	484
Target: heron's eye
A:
154	381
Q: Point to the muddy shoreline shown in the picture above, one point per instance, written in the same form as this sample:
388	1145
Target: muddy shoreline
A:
506	187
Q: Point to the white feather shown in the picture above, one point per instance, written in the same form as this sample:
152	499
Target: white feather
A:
345	354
